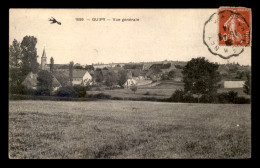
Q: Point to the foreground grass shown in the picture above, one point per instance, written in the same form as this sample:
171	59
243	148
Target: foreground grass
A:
128	129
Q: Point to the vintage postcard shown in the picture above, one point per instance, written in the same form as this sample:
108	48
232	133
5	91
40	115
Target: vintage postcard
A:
130	83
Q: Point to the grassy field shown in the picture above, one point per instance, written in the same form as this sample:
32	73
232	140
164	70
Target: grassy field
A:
163	90
128	129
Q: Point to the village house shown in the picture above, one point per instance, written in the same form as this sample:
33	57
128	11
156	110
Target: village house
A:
30	82
81	77
129	83
234	84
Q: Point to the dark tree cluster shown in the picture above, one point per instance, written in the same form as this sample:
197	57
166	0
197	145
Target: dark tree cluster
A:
201	77
22	60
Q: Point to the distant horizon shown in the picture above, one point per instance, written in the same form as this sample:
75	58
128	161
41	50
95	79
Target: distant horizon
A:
101	63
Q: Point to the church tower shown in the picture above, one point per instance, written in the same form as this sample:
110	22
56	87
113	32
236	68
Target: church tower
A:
43	60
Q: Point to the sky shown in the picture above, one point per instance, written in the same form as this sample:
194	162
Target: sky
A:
160	34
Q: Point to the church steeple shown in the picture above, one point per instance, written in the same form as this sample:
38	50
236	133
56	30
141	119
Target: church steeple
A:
43	60
43	53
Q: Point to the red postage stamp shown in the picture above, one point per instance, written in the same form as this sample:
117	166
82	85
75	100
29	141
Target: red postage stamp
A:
234	26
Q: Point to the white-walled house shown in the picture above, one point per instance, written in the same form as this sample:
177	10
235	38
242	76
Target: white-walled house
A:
81	77
234	84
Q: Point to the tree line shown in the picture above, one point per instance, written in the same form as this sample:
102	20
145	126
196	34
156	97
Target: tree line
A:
201	80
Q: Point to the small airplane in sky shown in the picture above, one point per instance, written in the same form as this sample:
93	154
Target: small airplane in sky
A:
54	21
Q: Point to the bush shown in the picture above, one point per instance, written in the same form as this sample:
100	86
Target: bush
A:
42	91
178	96
165	77
20	89
242	100
147	93
72	91
178	66
81	91
188	98
222	98
228	97
181	96
208	99
67	91
133	88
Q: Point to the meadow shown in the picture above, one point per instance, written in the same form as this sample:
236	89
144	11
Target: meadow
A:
160	90
128	129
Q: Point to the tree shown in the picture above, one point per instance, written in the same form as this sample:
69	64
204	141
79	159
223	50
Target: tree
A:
78	67
111	78
29	55
15	54
15	77
200	77
122	77
44	84
71	72
98	76
52	64
133	88
171	74
178	66
89	67
247	85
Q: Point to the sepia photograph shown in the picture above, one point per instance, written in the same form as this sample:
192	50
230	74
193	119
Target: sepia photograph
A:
130	83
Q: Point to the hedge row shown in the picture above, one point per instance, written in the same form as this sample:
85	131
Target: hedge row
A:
228	97
68	91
